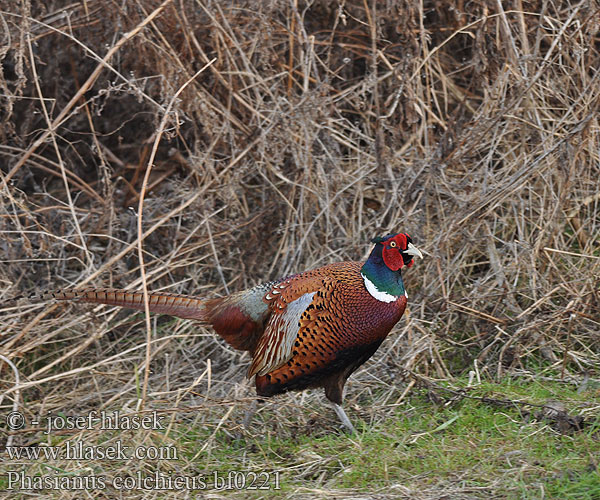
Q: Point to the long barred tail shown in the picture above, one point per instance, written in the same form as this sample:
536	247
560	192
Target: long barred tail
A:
173	304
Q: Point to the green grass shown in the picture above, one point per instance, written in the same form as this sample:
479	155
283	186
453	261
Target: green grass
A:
423	445
478	449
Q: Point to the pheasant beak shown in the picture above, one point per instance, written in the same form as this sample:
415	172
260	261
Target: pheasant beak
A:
413	250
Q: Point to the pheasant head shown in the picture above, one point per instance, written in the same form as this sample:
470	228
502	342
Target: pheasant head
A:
397	250
381	273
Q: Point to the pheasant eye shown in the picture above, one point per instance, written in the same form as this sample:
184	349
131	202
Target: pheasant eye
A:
393	244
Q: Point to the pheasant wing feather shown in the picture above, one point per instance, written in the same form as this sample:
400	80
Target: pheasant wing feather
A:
288	300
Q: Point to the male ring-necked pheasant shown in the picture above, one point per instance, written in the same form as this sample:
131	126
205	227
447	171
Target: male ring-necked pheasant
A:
311	329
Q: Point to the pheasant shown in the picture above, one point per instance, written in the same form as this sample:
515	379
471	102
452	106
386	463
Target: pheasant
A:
312	329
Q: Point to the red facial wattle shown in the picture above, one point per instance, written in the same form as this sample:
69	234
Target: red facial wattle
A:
392	258
391	252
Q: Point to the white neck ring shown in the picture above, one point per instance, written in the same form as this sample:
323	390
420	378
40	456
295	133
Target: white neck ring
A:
376	293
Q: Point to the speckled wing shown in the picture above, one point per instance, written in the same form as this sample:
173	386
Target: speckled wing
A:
288	300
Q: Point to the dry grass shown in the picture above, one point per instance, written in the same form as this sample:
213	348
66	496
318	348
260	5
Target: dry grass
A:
229	143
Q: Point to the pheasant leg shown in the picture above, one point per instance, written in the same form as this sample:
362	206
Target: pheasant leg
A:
343	418
249	413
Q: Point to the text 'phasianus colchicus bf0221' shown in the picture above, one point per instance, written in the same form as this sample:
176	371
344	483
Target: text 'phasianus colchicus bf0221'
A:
311	329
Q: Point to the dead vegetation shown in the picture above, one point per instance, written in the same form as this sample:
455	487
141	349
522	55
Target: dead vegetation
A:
229	143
